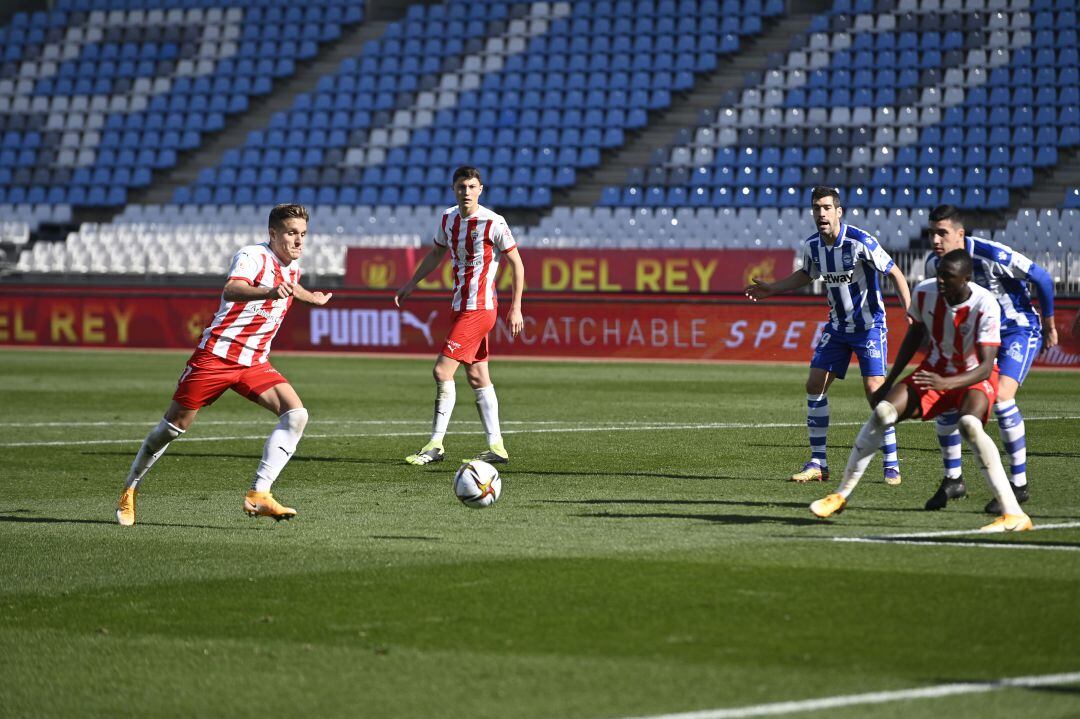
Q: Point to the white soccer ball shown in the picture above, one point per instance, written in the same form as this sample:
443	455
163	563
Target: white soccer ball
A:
477	484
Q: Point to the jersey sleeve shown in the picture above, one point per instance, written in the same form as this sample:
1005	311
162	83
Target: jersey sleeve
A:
989	330
245	266
1039	278
876	255
502	237
440	238
808	265
915	309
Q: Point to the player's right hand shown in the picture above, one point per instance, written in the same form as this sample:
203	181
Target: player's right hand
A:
282	291
758	291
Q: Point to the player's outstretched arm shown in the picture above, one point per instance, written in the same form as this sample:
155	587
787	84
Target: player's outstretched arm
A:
760	290
514	318
1044	290
244	291
427	265
312	298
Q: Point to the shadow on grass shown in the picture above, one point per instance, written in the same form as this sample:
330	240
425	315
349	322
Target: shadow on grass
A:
65	520
648	475
738	519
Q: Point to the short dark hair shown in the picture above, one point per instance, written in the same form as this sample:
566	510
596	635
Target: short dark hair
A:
820	191
947	212
466	172
280	213
960	261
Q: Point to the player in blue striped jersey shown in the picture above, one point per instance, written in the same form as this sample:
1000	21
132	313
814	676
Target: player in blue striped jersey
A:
849	261
1007	274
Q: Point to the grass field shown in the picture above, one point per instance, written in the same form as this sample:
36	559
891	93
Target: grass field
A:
646	557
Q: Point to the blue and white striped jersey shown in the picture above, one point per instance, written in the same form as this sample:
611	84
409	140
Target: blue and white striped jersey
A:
849	269
1006	273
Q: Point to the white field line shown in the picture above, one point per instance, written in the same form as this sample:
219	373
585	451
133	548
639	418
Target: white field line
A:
848	700
618	426
919	539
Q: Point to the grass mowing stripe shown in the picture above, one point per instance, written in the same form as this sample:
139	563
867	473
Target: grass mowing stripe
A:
653	427
934	692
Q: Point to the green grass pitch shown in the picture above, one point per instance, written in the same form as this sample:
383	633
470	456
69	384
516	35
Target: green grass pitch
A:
646	558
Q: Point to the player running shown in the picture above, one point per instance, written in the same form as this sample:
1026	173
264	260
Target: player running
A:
234	354
848	261
1005	273
476	239
958	374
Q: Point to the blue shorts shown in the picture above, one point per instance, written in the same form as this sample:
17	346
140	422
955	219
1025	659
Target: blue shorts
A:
833	351
1019	347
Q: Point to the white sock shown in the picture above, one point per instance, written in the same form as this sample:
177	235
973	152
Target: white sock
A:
153	447
279	448
445	397
1011	424
487	404
866	446
989	461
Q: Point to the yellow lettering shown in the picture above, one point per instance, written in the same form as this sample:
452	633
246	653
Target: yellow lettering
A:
606	285
704	273
584	275
123	323
555	274
62	325
22	333
4	335
648	275
93	326
675	276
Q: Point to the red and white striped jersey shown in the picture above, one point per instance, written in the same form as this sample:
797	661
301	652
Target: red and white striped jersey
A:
956	330
476	243
241	332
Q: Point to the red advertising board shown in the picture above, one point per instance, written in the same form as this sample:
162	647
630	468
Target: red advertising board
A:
586	271
598	327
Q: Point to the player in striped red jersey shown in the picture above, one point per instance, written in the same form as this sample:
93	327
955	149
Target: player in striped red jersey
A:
959	372
233	354
476	239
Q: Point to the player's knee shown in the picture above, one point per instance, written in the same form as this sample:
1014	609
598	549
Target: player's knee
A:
970	427
296	419
947	420
885	414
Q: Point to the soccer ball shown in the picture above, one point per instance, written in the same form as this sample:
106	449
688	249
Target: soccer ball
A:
477	484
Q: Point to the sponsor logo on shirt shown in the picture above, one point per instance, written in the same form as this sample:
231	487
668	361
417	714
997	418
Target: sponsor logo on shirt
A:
837	278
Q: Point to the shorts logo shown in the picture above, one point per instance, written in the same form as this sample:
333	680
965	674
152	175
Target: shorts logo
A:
1015	352
872	349
453	346
825	337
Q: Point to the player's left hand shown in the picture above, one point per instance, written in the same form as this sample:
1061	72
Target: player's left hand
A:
1050	335
321	298
928	380
515	321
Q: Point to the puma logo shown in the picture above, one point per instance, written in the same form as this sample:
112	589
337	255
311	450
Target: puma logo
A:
408	318
287	452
